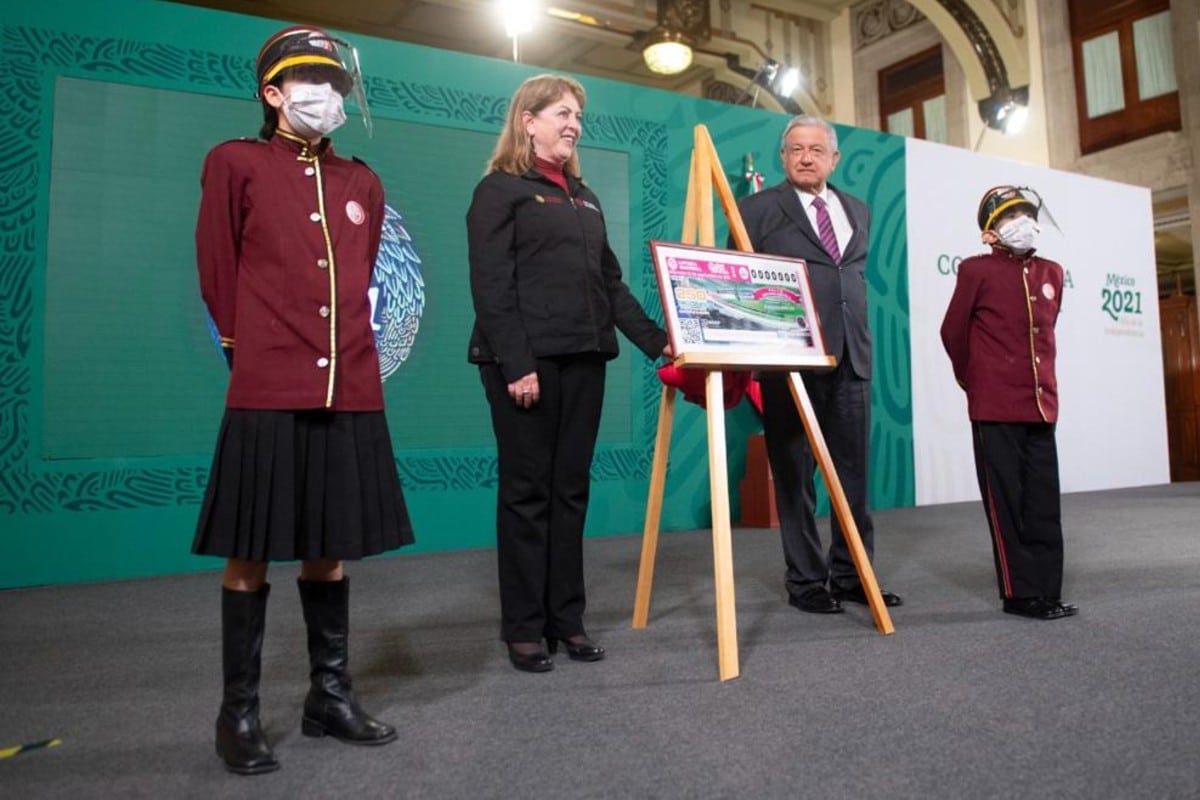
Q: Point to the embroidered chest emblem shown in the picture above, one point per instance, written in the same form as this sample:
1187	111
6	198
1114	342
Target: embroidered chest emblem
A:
355	212
1047	291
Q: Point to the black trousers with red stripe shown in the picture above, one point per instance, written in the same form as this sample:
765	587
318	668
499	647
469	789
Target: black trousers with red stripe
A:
1017	466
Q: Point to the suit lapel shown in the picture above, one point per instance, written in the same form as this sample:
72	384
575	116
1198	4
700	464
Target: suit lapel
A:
794	209
857	238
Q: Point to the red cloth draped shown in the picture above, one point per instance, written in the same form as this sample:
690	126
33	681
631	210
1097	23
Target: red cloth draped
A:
691	382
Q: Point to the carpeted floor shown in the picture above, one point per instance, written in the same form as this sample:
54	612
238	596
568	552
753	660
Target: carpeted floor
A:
962	702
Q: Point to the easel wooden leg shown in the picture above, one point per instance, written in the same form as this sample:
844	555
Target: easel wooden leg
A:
727	645
654	504
816	439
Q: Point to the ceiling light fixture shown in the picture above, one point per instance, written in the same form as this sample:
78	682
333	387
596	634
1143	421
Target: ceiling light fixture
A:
667	52
519	17
681	24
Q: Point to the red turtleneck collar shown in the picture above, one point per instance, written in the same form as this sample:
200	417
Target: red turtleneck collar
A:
551	171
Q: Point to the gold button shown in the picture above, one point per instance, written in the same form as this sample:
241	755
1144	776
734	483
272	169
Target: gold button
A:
323	362
323	311
323	263
1037	359
1036	328
315	216
311	171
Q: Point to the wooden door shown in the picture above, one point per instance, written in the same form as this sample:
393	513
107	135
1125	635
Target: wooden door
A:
1181	372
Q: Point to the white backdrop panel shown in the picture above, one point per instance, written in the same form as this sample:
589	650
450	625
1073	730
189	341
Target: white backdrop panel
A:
1112	414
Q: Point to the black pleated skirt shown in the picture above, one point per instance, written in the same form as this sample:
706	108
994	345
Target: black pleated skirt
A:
288	485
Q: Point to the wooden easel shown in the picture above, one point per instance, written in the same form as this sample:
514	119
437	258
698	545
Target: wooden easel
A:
698	228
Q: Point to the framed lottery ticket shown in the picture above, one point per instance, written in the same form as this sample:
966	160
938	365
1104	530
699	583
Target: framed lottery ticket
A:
731	307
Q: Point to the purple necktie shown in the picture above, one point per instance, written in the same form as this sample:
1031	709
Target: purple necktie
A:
825	228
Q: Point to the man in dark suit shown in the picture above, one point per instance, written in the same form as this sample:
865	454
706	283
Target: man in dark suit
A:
804	217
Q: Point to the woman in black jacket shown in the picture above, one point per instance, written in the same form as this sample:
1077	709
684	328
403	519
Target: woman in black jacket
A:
548	294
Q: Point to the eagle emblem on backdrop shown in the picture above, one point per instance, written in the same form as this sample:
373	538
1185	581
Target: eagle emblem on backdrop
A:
396	292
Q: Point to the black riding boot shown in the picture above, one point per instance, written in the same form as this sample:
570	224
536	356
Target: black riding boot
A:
330	707
240	739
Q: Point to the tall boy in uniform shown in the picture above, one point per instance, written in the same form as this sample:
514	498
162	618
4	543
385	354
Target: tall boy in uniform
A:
999	334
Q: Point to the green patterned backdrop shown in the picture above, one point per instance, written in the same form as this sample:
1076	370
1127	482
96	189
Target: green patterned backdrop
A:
110	389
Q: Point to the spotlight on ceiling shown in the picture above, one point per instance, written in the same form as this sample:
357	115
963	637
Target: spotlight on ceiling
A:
518	16
776	78
1014	120
770	76
789	81
766	73
1006	110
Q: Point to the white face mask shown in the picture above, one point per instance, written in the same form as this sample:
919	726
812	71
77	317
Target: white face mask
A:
313	110
1018	234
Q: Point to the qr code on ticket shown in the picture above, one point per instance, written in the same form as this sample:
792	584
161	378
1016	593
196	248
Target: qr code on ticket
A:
692	333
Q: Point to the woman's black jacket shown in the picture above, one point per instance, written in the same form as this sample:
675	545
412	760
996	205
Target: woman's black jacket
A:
543	278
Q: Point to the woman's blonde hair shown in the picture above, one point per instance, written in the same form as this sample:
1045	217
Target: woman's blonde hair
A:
514	149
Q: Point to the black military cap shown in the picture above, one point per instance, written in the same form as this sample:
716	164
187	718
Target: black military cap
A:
296	46
1000	199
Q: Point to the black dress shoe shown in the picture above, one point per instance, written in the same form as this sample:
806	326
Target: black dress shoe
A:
1036	608
533	661
579	648
816	601
1069	609
859	595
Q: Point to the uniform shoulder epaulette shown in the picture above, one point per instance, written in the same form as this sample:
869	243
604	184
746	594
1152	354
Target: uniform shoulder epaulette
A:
242	140
358	160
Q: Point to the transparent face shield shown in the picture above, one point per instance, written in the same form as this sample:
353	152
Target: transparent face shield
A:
339	50
347	54
1043	213
1020	195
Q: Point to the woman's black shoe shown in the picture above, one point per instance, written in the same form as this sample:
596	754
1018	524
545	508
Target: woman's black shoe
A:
579	648
535	660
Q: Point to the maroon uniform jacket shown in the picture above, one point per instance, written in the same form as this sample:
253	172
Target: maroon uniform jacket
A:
999	334
285	244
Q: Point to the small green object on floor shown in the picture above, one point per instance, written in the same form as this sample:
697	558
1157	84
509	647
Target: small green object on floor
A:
16	750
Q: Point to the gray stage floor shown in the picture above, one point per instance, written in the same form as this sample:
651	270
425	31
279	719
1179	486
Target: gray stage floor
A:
962	701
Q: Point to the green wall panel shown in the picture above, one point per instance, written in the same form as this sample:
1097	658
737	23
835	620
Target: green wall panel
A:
129	369
110	389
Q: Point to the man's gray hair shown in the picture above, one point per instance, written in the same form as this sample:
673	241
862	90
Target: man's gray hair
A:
807	120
